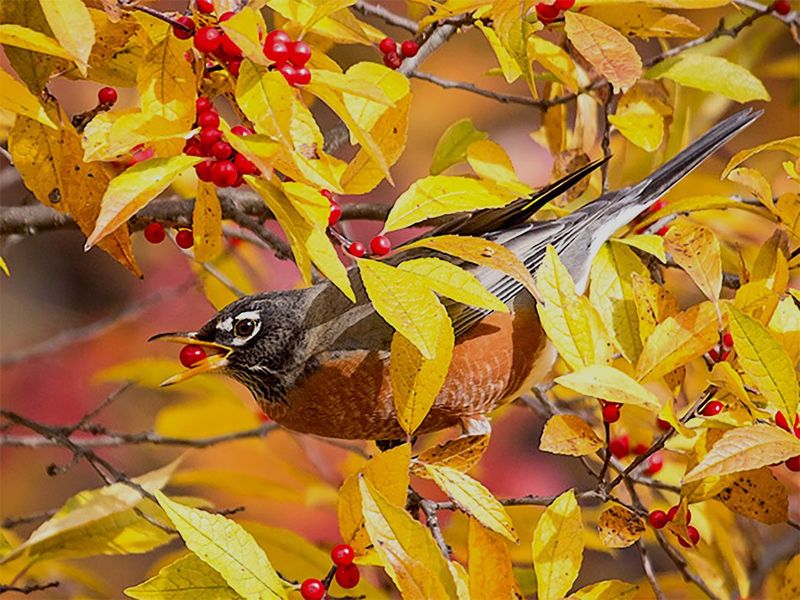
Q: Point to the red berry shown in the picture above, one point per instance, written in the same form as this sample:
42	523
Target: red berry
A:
191	354
409	48
210	136
180	32
672	512
694	536
289	73
793	464
193	149
663	425
221	150
713	354
724	356
619	446
203	170
202	104
658	205
327	193
240	130
185	239
380	245
639	448
142	154
226	16
392	60
782	7
154	233
206	40
564	4
713	408
208	118
224	173
299	53
611	413
727	339
335	214
277	52
342	555
658	519
229	47
312	589
302	76
277	35
244	165
547	12
663	231
205	6
356	249
780	421
347	576
234	66
654	463
388	45
107	95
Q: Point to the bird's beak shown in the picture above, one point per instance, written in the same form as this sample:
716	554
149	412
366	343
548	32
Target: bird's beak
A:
217	355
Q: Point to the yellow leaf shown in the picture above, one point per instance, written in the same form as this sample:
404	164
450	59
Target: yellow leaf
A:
610	589
570	435
51	166
652	244
696	250
785	325
207	223
640	123
787	209
757	495
611	293
223	545
510	68
207	416
406	548
645	22
558	547
474	499
377	89
4	267
461	579
110	135
482	252
131	190
406	302
789	144
257	148
461	453
619	527
555	59
491	162
678	340
725	376
415	380
167	84
756	183
438	195
244	28
452	146
312	206
744	449
653	304
667	414
388	472
490	574
790	586
711	74
765	362
187	577
30	39
73	27
611	384
570	322
453	282
17	98
614	57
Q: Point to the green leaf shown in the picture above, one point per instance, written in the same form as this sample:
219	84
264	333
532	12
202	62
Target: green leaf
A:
452	146
225	546
712	74
188	578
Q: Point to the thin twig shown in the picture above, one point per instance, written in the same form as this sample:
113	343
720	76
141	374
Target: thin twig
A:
28	589
372	10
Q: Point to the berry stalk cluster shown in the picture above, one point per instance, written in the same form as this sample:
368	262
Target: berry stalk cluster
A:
344	570
620	447
659	519
393	55
379	245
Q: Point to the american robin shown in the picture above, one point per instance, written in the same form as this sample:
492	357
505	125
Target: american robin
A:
317	363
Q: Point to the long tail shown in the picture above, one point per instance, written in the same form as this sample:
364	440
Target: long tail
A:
616	209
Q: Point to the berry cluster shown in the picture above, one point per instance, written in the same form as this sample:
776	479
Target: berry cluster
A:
610	411
345	572
393	56
793	463
289	57
782	7
210	39
224	167
378	245
155	234
659	519
620	448
550	11
722	351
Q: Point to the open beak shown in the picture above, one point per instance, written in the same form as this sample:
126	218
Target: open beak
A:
216	355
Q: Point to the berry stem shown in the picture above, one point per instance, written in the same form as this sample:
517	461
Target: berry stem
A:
158	15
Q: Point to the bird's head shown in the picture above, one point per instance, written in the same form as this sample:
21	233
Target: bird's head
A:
256	340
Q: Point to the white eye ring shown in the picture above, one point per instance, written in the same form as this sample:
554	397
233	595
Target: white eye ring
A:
255	318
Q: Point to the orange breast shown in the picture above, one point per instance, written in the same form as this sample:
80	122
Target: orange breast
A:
350	397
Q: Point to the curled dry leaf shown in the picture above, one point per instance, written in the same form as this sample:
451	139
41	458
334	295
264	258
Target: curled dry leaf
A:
619	527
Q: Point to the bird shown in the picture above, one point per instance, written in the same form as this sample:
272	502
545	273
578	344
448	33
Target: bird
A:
317	363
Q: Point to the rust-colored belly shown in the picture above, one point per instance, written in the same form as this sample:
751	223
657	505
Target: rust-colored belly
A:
350	397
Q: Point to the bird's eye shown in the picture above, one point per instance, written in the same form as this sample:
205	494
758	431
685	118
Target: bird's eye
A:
244	328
